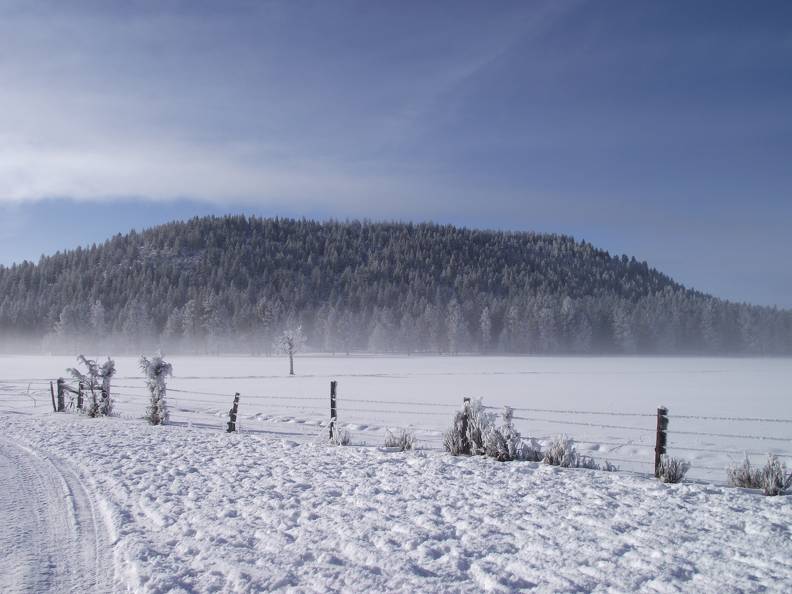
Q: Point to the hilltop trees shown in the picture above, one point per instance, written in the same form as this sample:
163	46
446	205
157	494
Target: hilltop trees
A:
233	283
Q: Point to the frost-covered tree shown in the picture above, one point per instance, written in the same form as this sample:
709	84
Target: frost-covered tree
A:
156	370
454	326
485	325
268	313
290	342
97	378
98	321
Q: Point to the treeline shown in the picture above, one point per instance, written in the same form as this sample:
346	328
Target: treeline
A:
232	284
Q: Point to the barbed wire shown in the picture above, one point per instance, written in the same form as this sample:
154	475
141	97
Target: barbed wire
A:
572	412
627	461
342	398
731	435
745	419
346	410
728	452
615	443
578	423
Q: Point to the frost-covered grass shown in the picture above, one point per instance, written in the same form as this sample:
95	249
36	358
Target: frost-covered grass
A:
196	509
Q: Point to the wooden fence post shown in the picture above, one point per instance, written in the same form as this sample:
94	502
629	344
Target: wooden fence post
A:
333	411
52	393
61	404
232	414
465	415
79	396
661	438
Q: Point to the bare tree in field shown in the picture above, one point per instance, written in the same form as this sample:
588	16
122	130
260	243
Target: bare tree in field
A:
290	342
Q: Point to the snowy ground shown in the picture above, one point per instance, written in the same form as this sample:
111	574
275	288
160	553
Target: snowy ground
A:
190	508
377	393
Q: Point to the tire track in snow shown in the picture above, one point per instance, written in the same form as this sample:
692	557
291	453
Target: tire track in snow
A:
51	535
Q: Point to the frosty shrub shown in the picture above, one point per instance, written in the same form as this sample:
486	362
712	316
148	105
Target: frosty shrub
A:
475	432
101	403
504	442
531	450
467	433
340	437
562	452
156	370
106	372
586	462
745	475
402	440
672	470
455	439
774	478
479	422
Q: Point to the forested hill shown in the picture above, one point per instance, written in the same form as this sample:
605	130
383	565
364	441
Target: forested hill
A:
234	283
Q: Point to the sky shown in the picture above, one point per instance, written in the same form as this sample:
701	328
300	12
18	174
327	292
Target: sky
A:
662	130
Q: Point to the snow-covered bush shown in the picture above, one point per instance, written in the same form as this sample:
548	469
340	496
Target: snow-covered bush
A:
774	478
504	443
402	440
340	436
455	439
672	470
530	450
466	435
745	475
561	452
586	462
101	399
479	423
156	370
106	372
474	432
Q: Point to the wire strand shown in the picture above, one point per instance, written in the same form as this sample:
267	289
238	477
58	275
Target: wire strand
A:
732	435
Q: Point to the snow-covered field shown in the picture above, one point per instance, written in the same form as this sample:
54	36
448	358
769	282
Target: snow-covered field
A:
189	507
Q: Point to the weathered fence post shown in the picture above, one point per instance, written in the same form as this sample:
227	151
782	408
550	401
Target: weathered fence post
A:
79	396
52	393
61	388
333	411
465	415
661	438
232	414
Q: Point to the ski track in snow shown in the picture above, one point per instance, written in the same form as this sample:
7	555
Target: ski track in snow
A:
202	511
53	539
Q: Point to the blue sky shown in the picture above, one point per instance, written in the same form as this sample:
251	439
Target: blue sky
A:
662	130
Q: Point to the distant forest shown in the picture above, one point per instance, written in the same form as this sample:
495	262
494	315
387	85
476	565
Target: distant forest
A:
234	283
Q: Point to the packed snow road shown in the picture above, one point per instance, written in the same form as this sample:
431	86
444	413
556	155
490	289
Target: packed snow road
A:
50	536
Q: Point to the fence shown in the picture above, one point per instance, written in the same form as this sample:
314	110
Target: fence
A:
632	440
